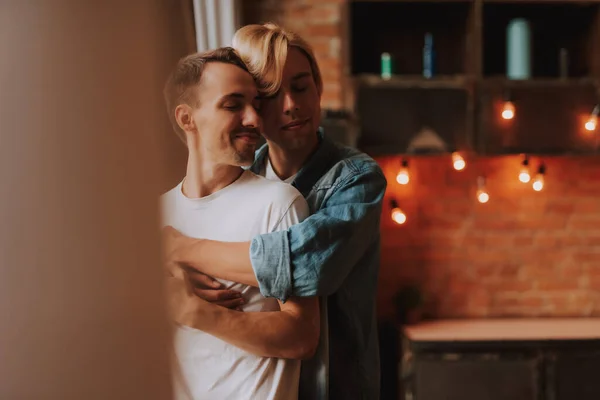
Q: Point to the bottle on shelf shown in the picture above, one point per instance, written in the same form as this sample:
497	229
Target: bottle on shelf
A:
386	66
428	56
518	63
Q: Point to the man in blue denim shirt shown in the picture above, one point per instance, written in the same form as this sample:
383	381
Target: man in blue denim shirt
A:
334	253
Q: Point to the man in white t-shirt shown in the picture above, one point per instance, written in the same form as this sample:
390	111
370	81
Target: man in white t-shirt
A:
212	101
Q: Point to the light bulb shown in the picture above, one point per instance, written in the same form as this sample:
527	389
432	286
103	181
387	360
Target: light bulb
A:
508	110
591	123
403	177
482	196
398	216
524	175
538	183
458	162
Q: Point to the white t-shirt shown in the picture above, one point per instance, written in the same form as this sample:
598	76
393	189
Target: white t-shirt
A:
315	379
210	367
269	173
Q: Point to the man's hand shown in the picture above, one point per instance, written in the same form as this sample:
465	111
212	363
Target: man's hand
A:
184	308
212	290
202	285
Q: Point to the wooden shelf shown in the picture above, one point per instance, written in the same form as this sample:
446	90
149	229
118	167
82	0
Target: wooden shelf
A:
543	1
462	103
539	82
502	330
413	82
420	1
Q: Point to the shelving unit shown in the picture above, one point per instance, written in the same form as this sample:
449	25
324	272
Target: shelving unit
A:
413	82
462	101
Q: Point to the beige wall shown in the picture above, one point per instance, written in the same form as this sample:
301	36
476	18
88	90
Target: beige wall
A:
83	146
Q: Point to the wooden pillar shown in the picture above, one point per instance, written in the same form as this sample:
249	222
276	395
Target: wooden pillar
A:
81	132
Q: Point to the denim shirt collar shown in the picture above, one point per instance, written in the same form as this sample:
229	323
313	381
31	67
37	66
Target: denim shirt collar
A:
314	168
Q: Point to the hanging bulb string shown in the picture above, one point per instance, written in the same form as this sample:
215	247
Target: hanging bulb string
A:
403	176
524	175
397	215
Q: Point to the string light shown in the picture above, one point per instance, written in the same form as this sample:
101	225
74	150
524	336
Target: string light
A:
508	110
482	194
458	162
397	214
592	122
538	183
403	177
524	175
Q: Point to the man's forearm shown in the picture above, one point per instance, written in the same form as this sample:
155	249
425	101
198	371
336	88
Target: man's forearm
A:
224	260
277	334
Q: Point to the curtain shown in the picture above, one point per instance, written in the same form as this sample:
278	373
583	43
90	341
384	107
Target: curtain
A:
216	21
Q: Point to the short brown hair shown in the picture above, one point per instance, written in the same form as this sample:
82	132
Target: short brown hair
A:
186	76
264	49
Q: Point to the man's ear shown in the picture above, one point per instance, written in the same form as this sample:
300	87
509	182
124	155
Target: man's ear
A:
183	116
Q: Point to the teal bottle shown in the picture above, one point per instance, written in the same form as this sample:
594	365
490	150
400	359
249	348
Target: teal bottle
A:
518	49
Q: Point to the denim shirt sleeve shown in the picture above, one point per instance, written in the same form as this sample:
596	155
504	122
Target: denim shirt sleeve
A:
314	257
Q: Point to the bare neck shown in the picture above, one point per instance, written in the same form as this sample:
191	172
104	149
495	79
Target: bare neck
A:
287	163
205	177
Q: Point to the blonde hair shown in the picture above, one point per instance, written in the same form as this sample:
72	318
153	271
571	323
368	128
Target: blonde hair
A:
264	50
187	75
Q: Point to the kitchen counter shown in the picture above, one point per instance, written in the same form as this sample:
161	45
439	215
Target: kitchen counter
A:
495	359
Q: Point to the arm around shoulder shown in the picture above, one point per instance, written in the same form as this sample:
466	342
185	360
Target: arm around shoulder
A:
314	257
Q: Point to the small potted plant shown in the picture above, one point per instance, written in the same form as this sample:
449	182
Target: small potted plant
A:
408	303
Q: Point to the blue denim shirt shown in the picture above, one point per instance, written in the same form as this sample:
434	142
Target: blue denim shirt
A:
334	254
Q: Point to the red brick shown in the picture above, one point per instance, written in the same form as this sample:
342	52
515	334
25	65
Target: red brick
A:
549	239
593	241
524	241
544	257
572	239
321	49
527	301
587	256
543	222
330	62
587	206
324	1
539	270
584	222
482	257
556	283
324	13
483	271
570	270
560	207
495	224
322	31
594	283
508	285
331	101
509	271
515	312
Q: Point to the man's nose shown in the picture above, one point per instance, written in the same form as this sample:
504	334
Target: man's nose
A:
289	104
251	118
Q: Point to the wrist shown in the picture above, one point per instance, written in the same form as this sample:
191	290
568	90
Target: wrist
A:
182	247
205	317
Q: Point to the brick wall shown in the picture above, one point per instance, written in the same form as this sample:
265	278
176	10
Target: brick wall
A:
322	24
523	253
